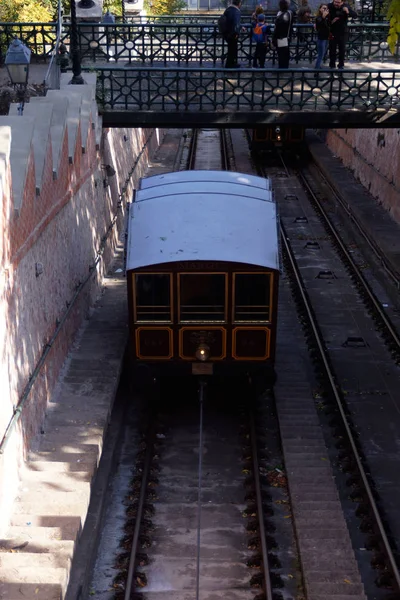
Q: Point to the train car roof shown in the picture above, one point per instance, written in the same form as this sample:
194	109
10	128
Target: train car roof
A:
205	175
235	223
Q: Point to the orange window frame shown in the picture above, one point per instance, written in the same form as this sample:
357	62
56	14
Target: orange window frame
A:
271	296
171	299
225	297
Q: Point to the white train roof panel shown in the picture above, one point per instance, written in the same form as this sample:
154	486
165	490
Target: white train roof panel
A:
205	187
199	225
205	175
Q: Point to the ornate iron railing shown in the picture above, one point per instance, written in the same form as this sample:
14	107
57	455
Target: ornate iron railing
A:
200	44
226	90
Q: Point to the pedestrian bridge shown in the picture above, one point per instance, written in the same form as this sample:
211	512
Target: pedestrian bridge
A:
170	73
197	97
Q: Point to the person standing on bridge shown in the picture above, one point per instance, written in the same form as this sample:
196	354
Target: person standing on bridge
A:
339	14
233	28
282	33
322	29
260	37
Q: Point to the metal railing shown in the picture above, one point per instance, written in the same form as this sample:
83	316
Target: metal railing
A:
185	44
53	74
225	90
202	45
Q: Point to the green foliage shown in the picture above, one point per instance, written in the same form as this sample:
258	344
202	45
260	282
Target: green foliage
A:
26	11
163	7
114	6
393	15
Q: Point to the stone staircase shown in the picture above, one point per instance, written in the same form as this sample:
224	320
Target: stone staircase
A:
52	504
50	510
43	126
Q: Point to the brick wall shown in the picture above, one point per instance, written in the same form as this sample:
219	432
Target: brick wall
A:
373	157
60	231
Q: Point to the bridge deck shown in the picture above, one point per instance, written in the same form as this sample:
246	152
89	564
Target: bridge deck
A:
361	95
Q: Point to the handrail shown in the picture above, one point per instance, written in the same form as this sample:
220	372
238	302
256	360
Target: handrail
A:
53	60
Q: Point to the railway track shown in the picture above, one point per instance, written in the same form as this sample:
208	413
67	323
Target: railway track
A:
197	515
328	471
331	292
206	535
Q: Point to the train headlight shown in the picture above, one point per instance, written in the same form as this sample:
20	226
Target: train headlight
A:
202	352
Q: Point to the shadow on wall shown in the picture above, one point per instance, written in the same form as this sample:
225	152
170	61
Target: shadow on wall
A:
47	250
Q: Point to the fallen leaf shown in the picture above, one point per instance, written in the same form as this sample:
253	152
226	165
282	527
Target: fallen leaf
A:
347	580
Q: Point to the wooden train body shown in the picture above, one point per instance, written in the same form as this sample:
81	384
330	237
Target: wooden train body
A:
202	275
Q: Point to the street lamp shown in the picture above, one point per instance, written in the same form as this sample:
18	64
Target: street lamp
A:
17	62
77	78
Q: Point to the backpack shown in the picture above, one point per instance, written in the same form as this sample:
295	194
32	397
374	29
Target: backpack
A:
223	24
258	33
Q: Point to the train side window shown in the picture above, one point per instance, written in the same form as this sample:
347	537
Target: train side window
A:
152	297
202	297
252	294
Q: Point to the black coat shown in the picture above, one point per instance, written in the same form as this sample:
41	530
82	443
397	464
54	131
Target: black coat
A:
340	27
322	27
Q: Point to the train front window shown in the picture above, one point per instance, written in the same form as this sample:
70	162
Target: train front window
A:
252	293
202	297
153	297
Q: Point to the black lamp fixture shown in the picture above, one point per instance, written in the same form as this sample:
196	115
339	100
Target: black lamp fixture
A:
17	62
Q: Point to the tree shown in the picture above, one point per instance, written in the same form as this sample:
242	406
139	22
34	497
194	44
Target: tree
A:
26	11
393	15
163	7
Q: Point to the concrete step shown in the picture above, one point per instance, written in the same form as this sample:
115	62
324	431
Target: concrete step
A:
63	416
333	589
36	560
64	481
330	522
61	451
58	504
69	525
42	113
314	562
350	573
35	496
83	465
63	437
336	597
47	575
58	125
43	535
30	591
21	147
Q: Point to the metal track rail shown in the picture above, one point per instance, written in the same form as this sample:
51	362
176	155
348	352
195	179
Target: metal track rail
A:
392	274
267	587
356	271
192	150
224	150
323	356
130	587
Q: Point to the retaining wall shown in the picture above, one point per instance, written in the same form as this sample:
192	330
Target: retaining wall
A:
57	207
373	157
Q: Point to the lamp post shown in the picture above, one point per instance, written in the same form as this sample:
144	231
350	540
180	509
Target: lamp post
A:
17	62
77	78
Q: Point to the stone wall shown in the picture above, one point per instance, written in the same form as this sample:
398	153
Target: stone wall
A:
373	157
57	207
